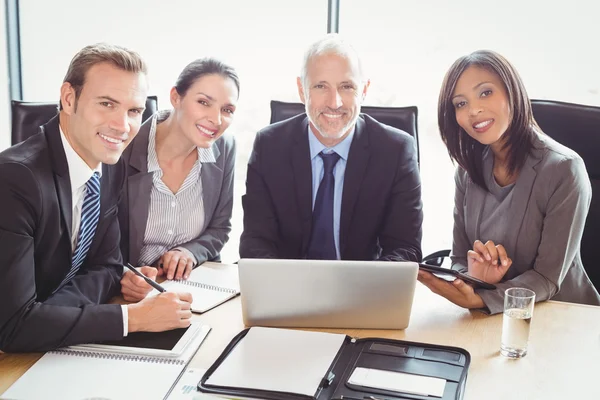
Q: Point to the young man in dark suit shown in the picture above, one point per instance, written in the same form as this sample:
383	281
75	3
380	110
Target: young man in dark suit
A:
60	260
331	183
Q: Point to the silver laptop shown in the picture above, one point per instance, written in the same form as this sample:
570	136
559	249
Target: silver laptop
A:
327	294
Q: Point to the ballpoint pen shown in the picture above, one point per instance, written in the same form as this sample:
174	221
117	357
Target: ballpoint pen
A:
144	277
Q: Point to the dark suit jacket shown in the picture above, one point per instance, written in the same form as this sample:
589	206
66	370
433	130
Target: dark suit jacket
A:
35	235
381	212
217	196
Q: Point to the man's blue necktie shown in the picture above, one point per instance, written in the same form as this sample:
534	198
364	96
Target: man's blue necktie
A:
90	212
322	242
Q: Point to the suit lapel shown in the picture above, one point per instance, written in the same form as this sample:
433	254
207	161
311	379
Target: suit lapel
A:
61	174
212	179
475	197
521	195
139	186
356	166
302	173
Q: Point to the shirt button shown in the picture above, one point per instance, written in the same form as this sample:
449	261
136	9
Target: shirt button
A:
173	204
170	231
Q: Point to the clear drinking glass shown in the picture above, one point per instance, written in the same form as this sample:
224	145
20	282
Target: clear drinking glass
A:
518	310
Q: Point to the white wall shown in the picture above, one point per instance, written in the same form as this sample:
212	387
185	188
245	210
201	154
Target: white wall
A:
4	89
263	39
408	46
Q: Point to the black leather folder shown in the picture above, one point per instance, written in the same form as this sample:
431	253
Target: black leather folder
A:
449	363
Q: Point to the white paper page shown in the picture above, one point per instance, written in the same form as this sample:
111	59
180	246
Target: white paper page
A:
186	388
279	360
202	299
84	378
102	377
205	298
225	278
398	382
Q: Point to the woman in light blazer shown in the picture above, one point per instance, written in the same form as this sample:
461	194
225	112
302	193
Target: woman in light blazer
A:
521	198
176	206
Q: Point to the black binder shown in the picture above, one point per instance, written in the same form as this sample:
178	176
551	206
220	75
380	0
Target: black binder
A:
449	363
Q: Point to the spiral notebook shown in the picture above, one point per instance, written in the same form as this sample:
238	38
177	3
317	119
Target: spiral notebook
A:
68	374
209	287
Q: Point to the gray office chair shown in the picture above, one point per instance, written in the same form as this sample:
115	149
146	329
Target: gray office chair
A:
27	117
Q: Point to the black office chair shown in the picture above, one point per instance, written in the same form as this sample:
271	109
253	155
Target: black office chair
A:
404	118
578	127
27	117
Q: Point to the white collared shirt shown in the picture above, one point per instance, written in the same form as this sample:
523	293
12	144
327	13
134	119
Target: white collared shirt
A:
173	218
342	149
79	174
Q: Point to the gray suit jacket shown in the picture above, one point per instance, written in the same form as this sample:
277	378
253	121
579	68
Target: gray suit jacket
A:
550	203
217	191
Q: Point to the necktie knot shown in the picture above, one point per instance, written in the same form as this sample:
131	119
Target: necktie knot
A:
329	161
93	184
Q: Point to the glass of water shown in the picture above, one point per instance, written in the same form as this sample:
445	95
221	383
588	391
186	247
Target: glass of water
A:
518	310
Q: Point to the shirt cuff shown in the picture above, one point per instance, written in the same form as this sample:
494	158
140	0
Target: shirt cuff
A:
125	320
188	254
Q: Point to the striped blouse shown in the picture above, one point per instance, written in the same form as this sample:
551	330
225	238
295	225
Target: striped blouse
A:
173	218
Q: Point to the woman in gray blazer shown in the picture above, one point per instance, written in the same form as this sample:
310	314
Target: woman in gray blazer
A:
176	207
521	198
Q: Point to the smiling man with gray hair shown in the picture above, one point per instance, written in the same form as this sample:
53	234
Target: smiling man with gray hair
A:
332	183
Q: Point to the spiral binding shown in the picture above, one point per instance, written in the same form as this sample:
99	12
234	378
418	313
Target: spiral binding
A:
205	286
119	357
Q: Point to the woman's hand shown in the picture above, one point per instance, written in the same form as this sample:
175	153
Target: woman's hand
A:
457	291
175	264
488	262
133	287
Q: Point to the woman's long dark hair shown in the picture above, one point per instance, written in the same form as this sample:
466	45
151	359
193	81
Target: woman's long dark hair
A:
465	150
204	66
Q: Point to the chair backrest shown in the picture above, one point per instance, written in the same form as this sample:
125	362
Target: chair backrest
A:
404	118
578	127
27	117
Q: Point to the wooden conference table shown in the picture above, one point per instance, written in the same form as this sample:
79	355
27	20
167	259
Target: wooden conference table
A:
562	363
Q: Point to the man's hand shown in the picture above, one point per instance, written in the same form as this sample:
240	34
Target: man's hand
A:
133	287
168	310
457	291
175	264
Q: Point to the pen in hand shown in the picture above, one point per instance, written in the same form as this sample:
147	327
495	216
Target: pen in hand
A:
144	277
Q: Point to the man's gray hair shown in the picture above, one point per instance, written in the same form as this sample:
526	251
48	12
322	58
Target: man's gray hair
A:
333	43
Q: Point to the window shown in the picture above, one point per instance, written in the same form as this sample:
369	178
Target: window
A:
263	39
4	92
407	47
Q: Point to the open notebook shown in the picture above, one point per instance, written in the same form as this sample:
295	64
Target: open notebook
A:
209	287
67	374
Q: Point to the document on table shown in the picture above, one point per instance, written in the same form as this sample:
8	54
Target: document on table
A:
280	360
398	382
